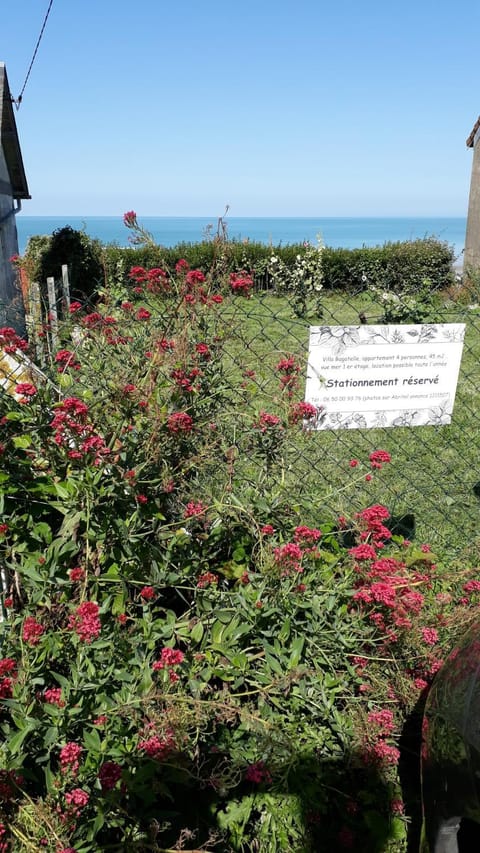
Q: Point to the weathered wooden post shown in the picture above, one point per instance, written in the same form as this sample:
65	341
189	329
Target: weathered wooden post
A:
472	237
13	188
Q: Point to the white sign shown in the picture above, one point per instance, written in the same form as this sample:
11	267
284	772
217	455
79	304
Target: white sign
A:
383	376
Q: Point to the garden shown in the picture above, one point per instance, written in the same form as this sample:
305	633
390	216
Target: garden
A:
216	633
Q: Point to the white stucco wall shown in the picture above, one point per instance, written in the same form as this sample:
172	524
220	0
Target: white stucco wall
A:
11	311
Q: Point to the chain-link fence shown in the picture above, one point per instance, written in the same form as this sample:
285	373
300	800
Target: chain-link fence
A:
431	487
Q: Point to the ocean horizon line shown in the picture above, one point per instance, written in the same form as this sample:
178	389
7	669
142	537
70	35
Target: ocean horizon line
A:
436	216
347	232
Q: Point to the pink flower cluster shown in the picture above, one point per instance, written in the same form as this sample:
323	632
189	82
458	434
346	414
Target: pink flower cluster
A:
169	659
72	430
158	748
66	360
289	369
302	412
179	422
241	283
53	695
207	579
258	773
288	557
379	458
70	757
109	774
32	631
266	421
86	621
10	342
375	749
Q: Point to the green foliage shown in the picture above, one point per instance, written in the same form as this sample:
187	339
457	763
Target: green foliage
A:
192	648
393	267
45	255
419	304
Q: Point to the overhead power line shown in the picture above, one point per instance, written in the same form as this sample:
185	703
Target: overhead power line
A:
18	101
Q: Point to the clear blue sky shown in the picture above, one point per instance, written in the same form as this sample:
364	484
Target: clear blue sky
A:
288	108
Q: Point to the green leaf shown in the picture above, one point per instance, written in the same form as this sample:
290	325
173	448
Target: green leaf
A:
92	740
14	744
197	632
296	652
22	441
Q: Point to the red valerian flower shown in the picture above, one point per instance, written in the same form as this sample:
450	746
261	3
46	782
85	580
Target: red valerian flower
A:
207	579
156	747
77	574
383	720
85	621
378	457
267	421
179	422
288	557
267	530
10	341
6	688
32	631
307	535
430	636
65	360
130	218
194	508
363	552
241	283
182	266
26	388
147	593
109	774
74	307
77	798
143	314
168	657
7	665
194	277
53	695
258	773
3	529
70	757
203	350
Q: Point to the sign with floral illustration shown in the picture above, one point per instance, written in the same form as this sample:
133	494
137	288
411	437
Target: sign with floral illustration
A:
361	377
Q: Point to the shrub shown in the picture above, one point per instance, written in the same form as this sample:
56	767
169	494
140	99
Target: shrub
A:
392	267
45	256
193	654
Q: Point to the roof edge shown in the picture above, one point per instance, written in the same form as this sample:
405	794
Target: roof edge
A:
9	140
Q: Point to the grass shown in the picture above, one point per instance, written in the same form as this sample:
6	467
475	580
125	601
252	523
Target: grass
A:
433	478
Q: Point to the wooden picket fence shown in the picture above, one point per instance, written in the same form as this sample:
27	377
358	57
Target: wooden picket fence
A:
42	317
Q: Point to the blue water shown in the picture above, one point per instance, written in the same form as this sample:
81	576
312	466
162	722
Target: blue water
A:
345	232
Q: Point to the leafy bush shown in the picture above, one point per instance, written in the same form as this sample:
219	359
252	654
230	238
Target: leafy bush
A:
195	655
393	267
418	305
46	255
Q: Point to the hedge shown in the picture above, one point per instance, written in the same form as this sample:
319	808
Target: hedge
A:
393	266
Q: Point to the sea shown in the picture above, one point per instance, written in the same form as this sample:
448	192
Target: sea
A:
336	232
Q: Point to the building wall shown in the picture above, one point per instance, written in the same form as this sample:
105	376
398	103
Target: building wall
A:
11	307
472	238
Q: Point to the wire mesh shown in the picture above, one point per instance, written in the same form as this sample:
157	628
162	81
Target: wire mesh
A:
257	357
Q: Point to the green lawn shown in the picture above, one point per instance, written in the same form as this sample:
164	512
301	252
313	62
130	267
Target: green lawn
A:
434	469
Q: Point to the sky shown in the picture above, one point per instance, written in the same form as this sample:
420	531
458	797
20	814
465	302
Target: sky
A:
286	108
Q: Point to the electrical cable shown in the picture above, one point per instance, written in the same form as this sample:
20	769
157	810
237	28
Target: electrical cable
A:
18	101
